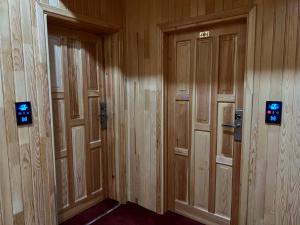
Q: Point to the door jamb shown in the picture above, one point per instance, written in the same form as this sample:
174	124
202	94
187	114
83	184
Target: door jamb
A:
113	43
249	14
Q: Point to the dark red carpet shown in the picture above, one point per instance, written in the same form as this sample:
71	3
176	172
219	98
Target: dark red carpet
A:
132	214
91	213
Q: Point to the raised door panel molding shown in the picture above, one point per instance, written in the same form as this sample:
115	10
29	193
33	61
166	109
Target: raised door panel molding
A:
56	64
79	162
183	66
62	183
181	178
223	190
201	186
227	64
203	80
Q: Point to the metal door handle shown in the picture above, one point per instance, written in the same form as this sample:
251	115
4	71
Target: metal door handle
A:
237	125
231	125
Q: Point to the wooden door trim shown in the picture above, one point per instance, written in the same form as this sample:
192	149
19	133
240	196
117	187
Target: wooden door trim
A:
247	14
75	20
196	22
113	39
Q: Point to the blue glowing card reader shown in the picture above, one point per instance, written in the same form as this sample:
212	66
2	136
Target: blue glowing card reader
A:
273	112
23	113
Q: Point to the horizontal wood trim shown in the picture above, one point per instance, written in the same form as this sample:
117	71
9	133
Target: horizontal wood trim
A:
226	98
214	18
61	154
96	144
200	215
58	95
77	20
79	207
224	160
182	97
202	127
95	94
181	151
77	122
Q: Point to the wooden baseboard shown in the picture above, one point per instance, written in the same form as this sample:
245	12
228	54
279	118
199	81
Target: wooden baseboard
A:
200	215
84	205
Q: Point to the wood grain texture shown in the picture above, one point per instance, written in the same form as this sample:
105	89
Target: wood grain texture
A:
27	160
272	194
143	69
62	183
272	181
202	148
79	162
223	190
203	80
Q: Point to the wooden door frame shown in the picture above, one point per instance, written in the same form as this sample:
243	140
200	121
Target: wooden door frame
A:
248	14
114	85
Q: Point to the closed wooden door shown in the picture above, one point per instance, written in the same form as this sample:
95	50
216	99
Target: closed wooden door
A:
205	88
77	84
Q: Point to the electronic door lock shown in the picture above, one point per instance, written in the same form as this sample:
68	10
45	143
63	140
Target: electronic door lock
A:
103	115
237	126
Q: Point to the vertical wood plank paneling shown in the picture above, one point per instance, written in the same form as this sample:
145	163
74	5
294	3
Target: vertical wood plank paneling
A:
265	78
13	62
25	133
5	194
47	193
294	181
27	175
275	93
255	110
1	217
249	77
286	201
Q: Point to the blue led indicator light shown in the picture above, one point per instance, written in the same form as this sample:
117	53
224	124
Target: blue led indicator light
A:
274	106
273	112
23	113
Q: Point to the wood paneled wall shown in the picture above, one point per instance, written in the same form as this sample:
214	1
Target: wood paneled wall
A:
274	153
27	193
110	11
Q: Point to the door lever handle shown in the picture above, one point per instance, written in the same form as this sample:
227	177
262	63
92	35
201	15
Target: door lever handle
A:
231	125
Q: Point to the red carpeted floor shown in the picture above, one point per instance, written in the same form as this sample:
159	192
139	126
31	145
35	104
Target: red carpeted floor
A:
129	214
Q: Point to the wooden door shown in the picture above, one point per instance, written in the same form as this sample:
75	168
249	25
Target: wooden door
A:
205	87
77	80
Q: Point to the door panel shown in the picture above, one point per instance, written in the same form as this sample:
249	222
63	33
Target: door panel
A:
79	162
181	177
223	190
205	87
203	82
225	142
183	66
62	183
227	62
77	79
201	176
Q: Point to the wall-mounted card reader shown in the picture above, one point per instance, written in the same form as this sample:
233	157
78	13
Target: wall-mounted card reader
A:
23	113
237	126
273	112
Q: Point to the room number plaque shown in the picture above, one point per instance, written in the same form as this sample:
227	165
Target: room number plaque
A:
204	34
